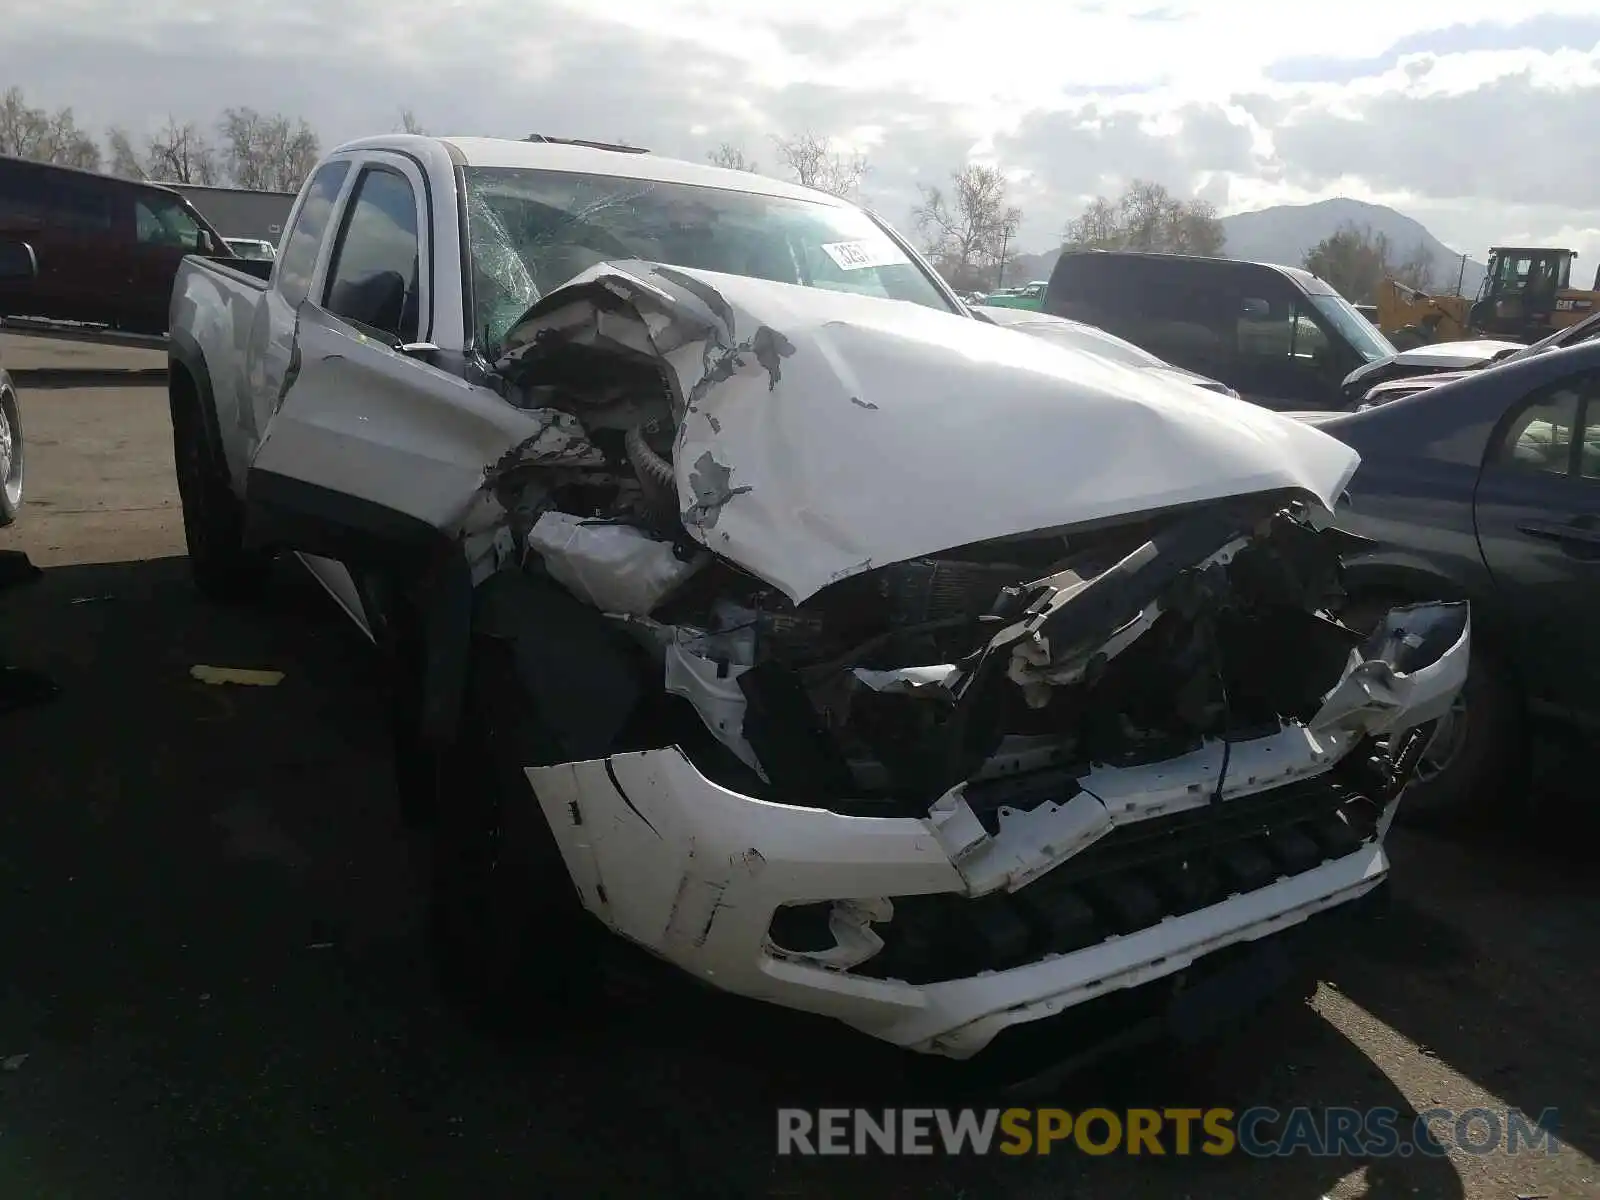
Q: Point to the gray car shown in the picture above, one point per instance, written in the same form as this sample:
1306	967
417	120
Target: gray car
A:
1487	488
1396	387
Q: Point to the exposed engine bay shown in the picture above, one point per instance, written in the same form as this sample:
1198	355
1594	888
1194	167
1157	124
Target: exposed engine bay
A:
889	686
1114	728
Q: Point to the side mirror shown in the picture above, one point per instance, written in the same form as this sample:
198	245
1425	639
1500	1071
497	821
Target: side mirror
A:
1255	310
205	243
17	261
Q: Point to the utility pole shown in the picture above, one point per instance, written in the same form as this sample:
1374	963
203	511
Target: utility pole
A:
1000	267
1461	275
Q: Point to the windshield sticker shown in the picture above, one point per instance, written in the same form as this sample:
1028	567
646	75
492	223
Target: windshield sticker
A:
855	256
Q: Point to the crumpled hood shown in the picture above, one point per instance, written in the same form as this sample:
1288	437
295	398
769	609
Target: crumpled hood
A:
824	434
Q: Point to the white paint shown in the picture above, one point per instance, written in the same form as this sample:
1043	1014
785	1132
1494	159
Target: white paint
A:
894	430
694	871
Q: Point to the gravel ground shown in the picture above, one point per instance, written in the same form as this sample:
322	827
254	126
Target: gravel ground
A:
211	948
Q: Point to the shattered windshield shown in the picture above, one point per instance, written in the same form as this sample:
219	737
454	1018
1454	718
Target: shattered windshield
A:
531	231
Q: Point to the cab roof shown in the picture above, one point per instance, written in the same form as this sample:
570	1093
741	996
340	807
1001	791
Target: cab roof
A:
594	159
1308	283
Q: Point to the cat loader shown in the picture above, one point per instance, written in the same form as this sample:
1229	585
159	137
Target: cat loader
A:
1526	295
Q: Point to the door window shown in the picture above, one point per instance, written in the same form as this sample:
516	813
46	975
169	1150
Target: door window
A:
373	278
1283	332
1540	434
299	258
1589	449
160	221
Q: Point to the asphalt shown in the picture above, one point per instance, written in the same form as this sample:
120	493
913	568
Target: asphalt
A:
212	952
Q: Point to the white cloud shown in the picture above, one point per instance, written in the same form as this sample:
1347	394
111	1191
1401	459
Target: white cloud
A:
1470	122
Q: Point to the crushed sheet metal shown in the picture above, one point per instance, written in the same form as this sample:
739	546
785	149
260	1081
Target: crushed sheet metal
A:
1372	699
780	469
559	441
918	681
713	689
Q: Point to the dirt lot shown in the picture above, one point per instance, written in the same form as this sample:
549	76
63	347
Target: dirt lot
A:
211	950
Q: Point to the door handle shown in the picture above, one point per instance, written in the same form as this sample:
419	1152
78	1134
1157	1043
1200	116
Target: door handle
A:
1578	530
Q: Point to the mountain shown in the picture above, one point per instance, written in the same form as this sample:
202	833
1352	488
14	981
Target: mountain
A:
1286	232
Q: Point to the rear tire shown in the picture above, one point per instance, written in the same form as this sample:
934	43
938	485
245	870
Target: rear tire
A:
213	517
510	933
11	454
1471	765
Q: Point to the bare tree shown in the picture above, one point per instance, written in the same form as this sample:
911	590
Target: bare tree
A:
409	122
45	136
967	232
267	152
1147	217
1417	271
181	154
814	162
1355	260
126	162
177	154
730	156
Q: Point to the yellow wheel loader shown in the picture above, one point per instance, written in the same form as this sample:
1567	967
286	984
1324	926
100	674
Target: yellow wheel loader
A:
1526	295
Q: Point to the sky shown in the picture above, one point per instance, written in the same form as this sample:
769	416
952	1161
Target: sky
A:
1481	126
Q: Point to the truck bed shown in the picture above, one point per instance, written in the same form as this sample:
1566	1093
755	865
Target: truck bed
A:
252	272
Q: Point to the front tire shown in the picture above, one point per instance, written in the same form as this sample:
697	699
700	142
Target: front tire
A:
1470	765
213	517
510	933
11	456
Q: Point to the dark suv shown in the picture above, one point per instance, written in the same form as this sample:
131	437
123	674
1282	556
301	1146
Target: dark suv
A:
1279	336
108	249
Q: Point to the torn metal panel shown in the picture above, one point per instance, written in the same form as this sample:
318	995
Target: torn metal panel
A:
359	420
820	434
713	689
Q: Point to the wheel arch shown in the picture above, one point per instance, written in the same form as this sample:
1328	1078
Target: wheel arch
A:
189	377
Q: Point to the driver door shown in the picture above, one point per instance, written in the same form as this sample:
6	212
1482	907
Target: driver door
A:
371	457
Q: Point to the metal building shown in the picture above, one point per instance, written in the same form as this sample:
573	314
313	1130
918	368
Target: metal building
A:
239	212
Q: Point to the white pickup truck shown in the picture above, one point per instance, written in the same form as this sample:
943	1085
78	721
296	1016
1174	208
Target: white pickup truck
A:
748	598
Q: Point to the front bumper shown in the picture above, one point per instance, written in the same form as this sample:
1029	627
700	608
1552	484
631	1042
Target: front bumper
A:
694	872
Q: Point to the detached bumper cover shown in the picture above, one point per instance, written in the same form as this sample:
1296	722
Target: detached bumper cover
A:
695	873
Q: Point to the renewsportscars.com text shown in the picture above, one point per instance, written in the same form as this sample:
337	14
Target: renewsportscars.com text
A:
1259	1132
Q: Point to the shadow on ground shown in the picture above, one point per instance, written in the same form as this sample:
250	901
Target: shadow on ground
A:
213	958
86	377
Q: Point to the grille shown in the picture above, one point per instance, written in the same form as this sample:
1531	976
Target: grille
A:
1129	880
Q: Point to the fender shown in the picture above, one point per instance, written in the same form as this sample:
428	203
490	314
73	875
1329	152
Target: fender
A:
184	351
